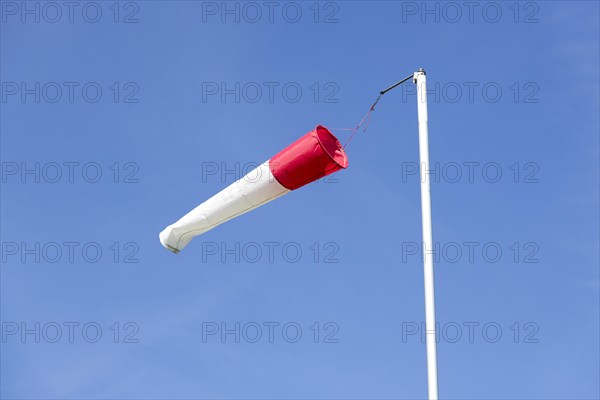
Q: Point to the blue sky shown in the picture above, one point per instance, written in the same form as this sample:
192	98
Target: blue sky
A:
513	111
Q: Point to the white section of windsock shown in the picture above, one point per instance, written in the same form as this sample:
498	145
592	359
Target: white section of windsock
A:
258	187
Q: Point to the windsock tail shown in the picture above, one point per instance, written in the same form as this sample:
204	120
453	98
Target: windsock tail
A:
164	237
258	187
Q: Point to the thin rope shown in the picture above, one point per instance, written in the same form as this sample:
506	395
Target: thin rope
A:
366	117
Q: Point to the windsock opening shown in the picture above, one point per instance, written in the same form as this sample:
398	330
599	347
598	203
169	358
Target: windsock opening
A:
313	156
332	146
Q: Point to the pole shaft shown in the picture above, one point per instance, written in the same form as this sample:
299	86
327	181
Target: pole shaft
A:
430	328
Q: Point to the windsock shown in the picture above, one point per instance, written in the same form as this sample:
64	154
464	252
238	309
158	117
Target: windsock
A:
313	156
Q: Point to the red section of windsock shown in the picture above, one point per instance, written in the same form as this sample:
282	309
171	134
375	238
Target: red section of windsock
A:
313	156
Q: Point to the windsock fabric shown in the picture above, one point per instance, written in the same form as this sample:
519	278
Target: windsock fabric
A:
313	156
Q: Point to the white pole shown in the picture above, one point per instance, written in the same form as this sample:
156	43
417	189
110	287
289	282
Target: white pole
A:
430	334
